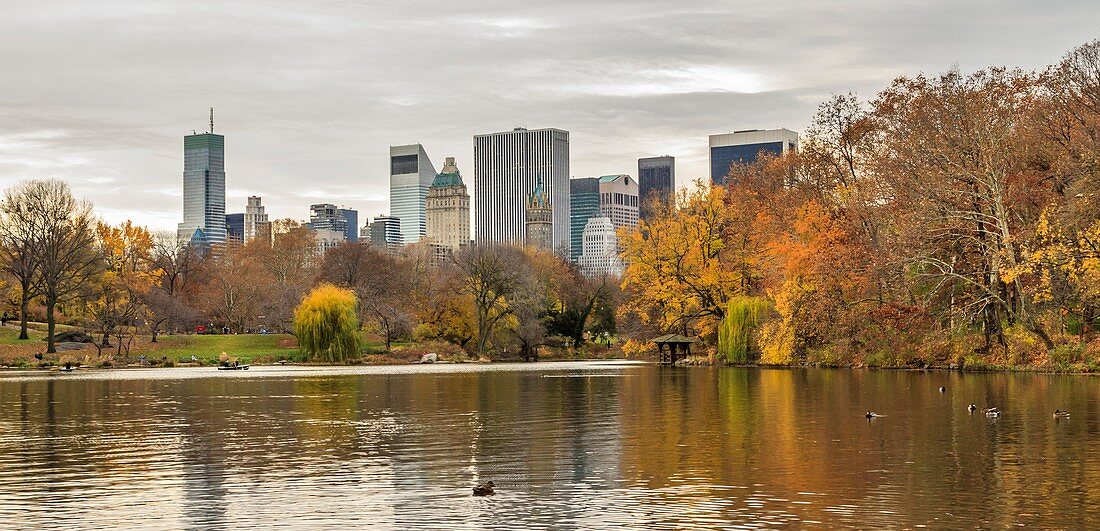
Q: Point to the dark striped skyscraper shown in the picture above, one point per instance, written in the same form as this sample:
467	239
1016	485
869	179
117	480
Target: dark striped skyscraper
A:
507	166
656	180
203	187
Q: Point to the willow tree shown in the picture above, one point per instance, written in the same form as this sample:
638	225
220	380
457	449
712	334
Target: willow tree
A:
326	324
736	341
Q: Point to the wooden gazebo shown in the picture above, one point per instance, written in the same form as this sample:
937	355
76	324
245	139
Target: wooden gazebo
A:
672	347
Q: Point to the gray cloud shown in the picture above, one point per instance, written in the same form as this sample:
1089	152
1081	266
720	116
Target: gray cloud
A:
310	95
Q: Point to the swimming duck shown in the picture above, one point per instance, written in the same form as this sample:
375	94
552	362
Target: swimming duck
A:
1059	414
872	415
943	389
485	489
971	408
991	412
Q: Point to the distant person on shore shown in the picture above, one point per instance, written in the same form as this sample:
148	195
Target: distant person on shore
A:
5	318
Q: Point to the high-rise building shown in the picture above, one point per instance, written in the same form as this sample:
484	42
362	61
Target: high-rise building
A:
448	209
351	223
385	232
326	216
254	218
584	204
507	165
203	186
411	176
612	196
600	253
619	200
744	147
656	181
234	228
539	219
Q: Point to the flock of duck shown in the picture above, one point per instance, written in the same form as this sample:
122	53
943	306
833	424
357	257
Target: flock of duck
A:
991	412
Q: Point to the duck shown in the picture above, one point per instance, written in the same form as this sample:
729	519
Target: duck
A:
485	489
1059	414
971	408
943	389
872	415
991	412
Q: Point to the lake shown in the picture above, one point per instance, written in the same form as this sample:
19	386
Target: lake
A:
569	446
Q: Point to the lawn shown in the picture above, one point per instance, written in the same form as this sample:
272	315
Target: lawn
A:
208	347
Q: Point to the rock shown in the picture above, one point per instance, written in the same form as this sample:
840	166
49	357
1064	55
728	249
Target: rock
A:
71	336
429	358
69	345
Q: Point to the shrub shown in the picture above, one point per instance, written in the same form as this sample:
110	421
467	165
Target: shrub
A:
325	324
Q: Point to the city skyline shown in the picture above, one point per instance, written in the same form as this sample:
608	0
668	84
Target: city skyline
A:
309	118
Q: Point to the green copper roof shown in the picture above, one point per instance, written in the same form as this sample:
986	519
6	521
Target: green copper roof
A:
447	179
610	178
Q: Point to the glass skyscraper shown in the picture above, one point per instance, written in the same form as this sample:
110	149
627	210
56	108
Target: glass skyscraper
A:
584	204
656	177
745	147
411	175
203	188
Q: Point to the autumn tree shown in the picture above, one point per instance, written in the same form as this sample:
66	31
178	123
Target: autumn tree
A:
19	233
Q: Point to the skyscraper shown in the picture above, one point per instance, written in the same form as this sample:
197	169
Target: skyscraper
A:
619	200
584	204
506	167
351	223
448	209
614	197
234	227
385	232
254	218
539	219
325	216
600	254
656	179
411	175
744	147
203	187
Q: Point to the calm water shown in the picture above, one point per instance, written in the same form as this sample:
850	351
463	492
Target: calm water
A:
570	446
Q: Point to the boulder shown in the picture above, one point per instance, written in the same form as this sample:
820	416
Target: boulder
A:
71	336
429	358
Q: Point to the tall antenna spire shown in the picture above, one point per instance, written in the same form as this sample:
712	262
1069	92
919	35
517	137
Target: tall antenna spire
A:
211	120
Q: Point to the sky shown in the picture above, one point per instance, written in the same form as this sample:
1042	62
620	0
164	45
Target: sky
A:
311	94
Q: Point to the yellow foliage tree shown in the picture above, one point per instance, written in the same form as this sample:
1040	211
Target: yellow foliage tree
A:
326	324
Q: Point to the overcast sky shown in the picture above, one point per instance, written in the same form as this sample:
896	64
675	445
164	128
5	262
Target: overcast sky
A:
310	94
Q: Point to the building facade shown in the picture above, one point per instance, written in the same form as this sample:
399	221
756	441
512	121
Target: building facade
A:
539	226
234	228
351	223
507	166
326	216
385	232
448	209
411	176
328	239
203	188
619	200
656	182
745	147
584	204
600	252
254	218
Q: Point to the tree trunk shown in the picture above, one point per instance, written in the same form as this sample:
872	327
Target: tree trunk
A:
51	324
23	304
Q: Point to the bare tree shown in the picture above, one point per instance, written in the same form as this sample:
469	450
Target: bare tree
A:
65	246
492	275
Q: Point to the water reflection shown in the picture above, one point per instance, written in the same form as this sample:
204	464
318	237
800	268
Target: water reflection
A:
571	446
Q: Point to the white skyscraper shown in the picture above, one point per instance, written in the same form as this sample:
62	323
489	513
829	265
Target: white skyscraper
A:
411	176
507	166
600	255
254	216
203	187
